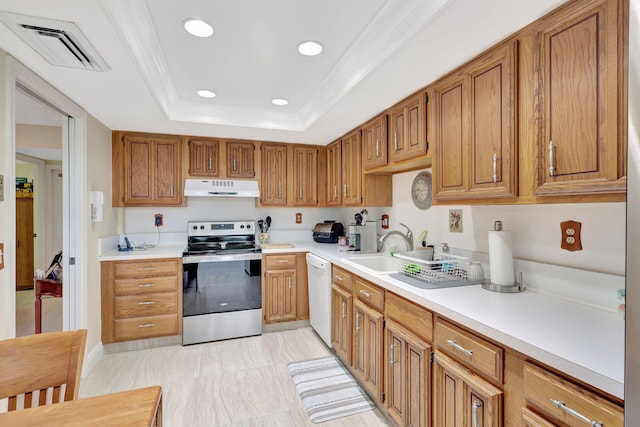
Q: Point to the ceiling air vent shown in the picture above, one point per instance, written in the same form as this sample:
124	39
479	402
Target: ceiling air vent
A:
59	42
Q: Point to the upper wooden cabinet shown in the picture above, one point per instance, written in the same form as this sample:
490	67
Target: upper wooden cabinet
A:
147	169
305	176
577	57
273	179
334	173
374	143
352	169
204	158
240	159
475	128
407	123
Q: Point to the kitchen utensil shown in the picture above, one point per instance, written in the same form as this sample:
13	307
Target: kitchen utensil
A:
358	218
260	225
268	221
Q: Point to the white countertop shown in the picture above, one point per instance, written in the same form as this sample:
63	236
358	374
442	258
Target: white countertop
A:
584	342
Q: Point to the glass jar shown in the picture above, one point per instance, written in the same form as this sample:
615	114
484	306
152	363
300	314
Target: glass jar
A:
475	272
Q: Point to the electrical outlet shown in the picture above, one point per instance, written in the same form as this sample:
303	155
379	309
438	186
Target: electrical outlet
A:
571	235
158	220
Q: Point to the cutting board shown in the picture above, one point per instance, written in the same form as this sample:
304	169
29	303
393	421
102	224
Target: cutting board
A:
276	245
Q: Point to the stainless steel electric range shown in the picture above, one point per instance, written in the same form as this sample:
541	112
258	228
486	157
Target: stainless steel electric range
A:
222	290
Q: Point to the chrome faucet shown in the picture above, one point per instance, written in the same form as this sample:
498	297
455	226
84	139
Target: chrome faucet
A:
408	237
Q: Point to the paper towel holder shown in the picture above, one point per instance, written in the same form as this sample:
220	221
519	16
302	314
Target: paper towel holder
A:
513	288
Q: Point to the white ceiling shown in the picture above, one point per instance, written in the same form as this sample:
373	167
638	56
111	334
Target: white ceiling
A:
376	52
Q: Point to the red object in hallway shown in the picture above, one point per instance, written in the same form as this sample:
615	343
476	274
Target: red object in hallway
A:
45	287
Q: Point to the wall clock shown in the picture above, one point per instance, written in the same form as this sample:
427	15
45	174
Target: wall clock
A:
421	190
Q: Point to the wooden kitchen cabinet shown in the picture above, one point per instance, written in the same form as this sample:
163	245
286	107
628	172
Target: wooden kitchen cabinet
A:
141	299
273	182
334	173
305	176
285	295
408	376
352	169
475	128
204	158
582	107
374	143
147	170
240	158
368	357
407	128
462	398
341	323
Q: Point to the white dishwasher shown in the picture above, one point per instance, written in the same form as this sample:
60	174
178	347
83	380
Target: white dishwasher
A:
319	280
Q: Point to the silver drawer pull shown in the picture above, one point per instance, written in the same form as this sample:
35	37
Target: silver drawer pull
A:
460	348
338	278
147	325
365	293
559	404
282	261
146	269
146	303
552	160
392	358
146	285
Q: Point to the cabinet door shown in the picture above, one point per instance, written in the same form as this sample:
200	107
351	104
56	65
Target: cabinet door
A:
334	173
493	124
273	182
374	143
531	419
240	160
407	364
352	169
280	296
341	315
576	59
367	348
463	399
305	176
204	158
153	168
407	134
24	243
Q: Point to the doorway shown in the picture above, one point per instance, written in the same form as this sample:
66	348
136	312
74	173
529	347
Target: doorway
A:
39	138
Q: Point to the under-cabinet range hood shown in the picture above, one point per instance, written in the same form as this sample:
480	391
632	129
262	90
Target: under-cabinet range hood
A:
221	188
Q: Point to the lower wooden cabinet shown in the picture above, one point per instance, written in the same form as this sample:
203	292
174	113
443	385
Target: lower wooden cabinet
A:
462	398
368	336
285	295
341	315
408	376
531	419
141	299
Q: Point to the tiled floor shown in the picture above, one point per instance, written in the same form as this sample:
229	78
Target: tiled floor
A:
241	382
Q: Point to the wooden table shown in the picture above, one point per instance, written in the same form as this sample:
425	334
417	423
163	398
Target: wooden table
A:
139	407
45	287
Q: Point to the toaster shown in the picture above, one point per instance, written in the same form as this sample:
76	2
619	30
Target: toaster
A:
327	232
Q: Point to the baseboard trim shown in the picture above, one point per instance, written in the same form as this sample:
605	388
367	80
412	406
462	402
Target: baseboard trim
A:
92	358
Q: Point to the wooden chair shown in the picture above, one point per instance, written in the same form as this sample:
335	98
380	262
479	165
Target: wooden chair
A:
45	365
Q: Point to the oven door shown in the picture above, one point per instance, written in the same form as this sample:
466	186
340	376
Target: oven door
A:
221	299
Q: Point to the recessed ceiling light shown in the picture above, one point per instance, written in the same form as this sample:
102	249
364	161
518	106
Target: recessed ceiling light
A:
309	48
198	27
279	101
206	93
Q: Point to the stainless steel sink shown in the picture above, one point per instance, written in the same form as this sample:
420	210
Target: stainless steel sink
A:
377	264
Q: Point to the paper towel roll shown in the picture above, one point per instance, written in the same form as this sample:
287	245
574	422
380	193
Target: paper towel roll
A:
501	258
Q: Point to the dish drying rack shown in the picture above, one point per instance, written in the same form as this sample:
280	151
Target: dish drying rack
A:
444	268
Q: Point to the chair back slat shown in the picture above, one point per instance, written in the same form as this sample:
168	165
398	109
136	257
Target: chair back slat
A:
39	363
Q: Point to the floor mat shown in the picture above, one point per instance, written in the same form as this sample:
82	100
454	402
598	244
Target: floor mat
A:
327	389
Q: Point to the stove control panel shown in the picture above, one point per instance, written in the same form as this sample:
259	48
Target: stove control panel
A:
221	228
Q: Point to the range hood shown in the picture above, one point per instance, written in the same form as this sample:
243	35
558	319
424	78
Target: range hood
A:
220	188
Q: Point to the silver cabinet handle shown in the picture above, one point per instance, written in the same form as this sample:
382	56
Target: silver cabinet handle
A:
146	285
171	190
289	280
561	405
365	293
335	191
300	192
552	160
392	360
460	348
495	167
282	261
344	309
476	405
279	192
338	278
395	140
357	322
145	269
377	148
147	325
235	164
345	190
210	163
146	303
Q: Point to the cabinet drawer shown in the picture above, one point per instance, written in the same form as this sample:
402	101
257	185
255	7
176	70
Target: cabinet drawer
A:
280	261
146	327
145	305
531	419
541	387
417	319
342	278
146	268
470	350
371	294
145	285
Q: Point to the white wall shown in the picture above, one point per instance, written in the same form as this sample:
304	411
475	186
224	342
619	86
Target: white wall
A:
7	234
536	228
